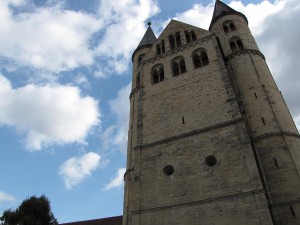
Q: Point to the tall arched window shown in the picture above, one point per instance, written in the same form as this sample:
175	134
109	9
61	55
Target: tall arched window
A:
178	39
138	80
200	58
157	74
228	26
160	48
236	44
172	42
175	40
178	66
163	49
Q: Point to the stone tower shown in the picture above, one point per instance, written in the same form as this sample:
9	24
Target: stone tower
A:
211	140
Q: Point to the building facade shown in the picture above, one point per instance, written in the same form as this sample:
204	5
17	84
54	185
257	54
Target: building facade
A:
211	140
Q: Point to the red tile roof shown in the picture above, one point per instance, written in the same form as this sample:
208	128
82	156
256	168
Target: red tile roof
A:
116	220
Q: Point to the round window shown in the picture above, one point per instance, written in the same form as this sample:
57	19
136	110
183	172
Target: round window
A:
210	160
168	170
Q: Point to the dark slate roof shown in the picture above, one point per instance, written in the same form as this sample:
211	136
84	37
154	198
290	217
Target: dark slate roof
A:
148	40
117	220
221	9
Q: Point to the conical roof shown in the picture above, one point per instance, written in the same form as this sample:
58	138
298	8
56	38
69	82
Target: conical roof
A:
147	41
221	9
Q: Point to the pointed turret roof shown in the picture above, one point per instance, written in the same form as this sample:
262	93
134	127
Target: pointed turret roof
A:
147	41
221	9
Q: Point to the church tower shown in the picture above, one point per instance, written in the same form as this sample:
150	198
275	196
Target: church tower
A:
210	139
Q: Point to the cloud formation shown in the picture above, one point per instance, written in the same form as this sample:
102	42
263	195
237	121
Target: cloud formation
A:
76	169
49	114
115	136
4	197
117	181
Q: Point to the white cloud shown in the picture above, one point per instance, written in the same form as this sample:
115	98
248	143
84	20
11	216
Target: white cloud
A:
273	25
76	169
117	181
125	22
115	136
50	38
49	114
4	197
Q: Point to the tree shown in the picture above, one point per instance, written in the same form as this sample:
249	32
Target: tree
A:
32	211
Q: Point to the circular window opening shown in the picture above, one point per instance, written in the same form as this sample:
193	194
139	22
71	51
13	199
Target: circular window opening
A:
210	160
168	170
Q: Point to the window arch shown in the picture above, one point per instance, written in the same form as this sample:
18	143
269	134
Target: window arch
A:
160	48
178	66
157	74
190	36
175	40
236	44
200	58
228	26
140	59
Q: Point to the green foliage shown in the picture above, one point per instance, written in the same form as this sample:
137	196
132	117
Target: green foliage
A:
32	211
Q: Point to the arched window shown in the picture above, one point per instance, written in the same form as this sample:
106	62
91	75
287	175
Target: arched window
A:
228	26
178	39
172	42
163	49
140	59
190	36
200	58
157	74
160	48
178	66
236	44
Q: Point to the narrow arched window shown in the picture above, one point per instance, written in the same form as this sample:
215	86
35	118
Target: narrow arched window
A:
172	42
163	49
157	74
187	36
228	26
178	39
236	44
178	66
200	58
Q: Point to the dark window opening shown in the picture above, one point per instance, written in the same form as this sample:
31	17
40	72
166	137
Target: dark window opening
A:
200	59
232	27
263	120
178	39
187	37
204	58
233	46
210	160
193	35
178	66
292	211
197	61
140	59
182	66
168	170
240	44
163	46
138	80
276	163
172	42
226	30
183	122
158	75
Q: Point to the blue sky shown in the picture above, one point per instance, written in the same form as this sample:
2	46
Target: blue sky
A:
65	73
